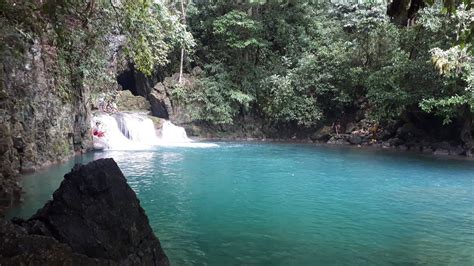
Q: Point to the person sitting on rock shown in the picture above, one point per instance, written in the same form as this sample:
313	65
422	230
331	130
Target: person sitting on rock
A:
97	131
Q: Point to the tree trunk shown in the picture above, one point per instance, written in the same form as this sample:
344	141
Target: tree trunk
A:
182	49
181	66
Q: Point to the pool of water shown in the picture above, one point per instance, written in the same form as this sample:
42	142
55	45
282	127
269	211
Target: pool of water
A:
294	204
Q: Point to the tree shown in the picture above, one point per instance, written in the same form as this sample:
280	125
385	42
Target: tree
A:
152	31
183	18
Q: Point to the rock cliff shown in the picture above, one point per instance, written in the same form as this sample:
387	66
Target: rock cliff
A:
51	64
37	125
94	218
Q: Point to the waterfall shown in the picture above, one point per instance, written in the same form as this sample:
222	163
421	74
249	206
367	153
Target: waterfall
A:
171	133
137	128
113	138
135	131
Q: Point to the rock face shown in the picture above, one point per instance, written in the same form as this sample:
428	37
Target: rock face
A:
126	101
159	94
94	217
160	102
38	125
45	95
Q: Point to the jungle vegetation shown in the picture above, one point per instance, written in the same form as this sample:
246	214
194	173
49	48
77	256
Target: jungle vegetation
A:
303	63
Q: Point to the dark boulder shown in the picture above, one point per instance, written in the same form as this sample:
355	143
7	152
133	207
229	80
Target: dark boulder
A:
95	214
160	102
410	132
395	142
17	247
355	139
322	134
350	127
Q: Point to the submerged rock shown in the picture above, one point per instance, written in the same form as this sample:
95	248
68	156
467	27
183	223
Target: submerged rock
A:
94	217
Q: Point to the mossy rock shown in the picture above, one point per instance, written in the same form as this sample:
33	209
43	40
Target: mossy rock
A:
126	101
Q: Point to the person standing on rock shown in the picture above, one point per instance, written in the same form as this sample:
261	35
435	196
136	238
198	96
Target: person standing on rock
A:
336	127
102	103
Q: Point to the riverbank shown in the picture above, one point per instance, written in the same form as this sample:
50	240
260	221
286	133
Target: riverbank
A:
368	146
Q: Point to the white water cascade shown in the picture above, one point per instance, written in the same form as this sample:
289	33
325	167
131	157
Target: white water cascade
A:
137	128
171	133
135	131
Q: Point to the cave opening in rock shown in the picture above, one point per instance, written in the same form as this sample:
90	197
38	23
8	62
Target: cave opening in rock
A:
126	80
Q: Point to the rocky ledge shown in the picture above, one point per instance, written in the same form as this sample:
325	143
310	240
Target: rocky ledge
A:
94	218
405	137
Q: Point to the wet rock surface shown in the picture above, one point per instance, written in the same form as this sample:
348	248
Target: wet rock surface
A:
94	218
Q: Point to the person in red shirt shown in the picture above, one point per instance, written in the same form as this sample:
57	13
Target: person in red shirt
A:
97	130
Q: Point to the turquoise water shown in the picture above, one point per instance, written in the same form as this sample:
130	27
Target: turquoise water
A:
295	204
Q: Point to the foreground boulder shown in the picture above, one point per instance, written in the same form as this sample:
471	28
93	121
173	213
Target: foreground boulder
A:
94	217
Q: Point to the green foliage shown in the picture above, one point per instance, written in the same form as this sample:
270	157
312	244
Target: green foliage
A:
152	31
303	62
82	56
448	107
238	31
214	98
285	105
386	89
456	64
83	34
297	62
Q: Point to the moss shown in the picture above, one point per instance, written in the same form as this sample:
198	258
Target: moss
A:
61	148
63	86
